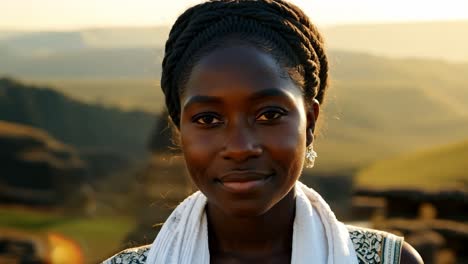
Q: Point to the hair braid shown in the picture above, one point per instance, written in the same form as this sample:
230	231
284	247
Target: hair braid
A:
274	22
312	33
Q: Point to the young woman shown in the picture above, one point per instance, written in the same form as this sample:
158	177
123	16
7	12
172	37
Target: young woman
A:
243	81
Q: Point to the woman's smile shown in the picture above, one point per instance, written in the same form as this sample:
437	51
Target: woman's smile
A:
244	181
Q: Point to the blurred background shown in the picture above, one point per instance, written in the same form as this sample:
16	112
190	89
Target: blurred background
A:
87	167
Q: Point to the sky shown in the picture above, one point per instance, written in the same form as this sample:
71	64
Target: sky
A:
79	14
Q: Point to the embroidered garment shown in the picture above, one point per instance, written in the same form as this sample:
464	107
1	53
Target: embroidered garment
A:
136	255
374	247
371	246
317	236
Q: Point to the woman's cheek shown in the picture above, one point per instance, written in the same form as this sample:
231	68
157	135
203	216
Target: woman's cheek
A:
288	136
199	148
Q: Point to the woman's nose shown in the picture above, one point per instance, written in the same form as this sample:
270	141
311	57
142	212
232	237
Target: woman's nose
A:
241	144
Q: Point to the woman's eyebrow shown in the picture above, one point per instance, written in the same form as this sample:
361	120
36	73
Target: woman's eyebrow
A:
270	92
258	95
202	99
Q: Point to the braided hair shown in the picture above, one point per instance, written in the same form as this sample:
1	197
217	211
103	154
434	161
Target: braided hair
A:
275	26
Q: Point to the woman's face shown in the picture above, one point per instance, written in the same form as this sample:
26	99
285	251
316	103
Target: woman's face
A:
243	130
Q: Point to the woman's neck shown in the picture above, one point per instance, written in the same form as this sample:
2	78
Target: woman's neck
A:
270	233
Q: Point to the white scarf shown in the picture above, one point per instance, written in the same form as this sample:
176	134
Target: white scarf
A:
318	237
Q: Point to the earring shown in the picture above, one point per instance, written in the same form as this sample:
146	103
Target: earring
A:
310	157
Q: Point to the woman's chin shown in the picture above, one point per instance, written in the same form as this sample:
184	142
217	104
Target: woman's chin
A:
245	209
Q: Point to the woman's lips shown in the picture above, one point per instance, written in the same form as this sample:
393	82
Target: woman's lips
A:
244	181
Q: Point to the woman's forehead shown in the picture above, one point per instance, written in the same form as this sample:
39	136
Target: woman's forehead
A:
244	58
236	66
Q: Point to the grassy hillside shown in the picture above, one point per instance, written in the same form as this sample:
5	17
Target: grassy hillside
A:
125	93
435	168
86	126
442	80
98	237
379	107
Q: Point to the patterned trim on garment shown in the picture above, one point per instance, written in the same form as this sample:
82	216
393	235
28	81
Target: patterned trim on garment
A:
375	247
372	247
130	256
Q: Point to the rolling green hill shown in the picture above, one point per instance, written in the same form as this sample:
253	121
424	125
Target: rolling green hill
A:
85	126
379	107
435	168
124	93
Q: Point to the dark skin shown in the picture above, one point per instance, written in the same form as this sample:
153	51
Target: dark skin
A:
244	130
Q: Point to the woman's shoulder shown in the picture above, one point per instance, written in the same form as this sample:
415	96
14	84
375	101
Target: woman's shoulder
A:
136	255
375	246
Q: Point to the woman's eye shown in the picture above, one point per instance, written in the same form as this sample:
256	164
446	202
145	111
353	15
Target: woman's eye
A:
270	115
207	120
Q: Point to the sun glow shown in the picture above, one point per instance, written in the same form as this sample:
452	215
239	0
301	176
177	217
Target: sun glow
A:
70	14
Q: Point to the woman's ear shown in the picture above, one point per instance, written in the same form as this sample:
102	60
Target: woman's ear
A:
312	113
